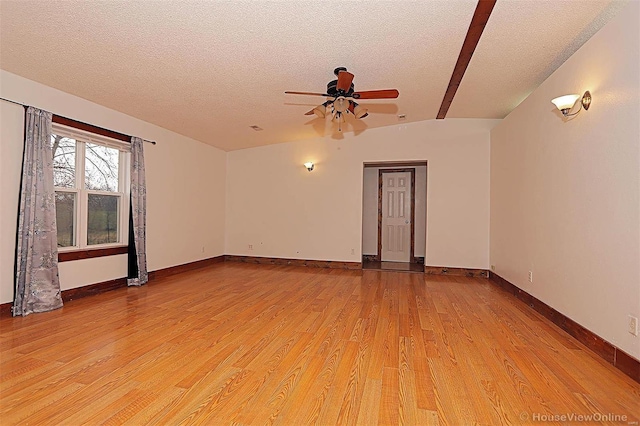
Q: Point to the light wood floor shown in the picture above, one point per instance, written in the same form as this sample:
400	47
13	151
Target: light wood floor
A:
257	344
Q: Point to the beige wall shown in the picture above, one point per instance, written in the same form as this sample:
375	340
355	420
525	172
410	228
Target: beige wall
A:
185	187
370	210
565	196
276	205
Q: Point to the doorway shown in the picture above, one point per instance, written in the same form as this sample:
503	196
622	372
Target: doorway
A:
394	216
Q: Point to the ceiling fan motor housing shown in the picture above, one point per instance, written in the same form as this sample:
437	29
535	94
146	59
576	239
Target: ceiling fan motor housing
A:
331	89
337	70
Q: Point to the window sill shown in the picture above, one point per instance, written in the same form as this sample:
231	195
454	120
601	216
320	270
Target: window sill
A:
66	256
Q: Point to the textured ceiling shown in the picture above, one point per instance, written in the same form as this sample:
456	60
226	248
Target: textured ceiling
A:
211	69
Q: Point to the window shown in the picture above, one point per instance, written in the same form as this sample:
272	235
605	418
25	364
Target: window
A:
91	180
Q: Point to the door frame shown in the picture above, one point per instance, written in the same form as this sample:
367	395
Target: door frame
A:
411	170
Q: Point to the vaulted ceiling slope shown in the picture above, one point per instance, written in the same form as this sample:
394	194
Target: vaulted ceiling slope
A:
211	69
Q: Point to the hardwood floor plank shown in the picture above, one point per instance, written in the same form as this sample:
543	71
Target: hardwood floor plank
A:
312	406
282	381
27	410
102	407
301	390
376	364
339	407
189	404
267	344
427	418
158	404
370	404
407	399
389	411
425	389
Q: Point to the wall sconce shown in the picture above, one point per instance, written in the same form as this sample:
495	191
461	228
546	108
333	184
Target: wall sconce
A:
309	165
567	102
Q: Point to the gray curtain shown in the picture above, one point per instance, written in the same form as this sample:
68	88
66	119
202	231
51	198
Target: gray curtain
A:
138	223
37	281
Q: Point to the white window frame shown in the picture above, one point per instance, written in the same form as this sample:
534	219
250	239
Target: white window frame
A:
81	209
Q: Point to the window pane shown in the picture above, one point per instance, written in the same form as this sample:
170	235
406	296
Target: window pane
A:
102	219
65	214
101	168
64	161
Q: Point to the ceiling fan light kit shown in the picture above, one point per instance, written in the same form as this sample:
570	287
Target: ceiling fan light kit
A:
320	110
342	94
357	110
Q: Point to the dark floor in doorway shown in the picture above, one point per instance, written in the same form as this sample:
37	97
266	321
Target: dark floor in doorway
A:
393	266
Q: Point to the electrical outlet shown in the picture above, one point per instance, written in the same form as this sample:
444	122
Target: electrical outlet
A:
203	249
493	268
250	247
353	251
530	276
633	325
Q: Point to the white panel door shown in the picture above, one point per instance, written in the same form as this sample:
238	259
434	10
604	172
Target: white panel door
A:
396	217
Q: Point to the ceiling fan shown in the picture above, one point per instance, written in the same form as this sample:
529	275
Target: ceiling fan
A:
342	96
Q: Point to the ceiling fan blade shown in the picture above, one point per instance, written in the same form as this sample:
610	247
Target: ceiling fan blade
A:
307	93
344	81
310	112
377	94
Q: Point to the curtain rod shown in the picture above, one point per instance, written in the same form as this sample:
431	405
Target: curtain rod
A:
72	120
